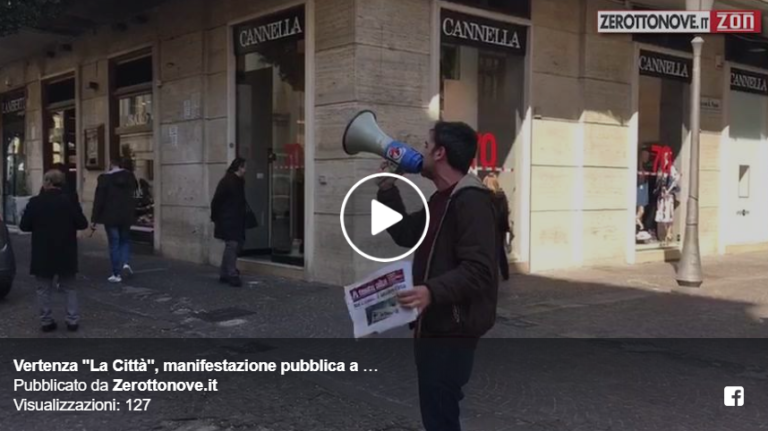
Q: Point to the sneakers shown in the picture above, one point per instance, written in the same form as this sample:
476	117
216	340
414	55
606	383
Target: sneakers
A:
50	327
115	279
127	271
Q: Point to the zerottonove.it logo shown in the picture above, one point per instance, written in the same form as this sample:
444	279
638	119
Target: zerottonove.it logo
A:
733	396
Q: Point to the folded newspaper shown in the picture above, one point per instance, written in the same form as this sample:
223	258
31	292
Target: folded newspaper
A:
372	302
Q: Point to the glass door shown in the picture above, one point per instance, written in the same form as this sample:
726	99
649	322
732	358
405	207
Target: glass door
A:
15	191
270	107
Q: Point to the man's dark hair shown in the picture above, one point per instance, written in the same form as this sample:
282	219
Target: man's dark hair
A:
236	164
459	141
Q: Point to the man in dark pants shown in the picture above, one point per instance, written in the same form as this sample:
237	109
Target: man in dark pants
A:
455	271
54	219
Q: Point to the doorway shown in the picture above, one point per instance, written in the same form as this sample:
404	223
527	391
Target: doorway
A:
16	191
747	171
270	104
663	114
60	125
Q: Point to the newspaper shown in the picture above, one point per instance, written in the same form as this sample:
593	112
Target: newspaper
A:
372	302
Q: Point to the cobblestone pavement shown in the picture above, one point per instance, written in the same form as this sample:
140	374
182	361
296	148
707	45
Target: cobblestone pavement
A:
589	383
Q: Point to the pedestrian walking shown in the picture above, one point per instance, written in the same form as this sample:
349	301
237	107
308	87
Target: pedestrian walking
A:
54	219
114	206
501	206
455	271
68	188
231	216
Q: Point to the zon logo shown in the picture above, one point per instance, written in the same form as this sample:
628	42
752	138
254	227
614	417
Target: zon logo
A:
737	21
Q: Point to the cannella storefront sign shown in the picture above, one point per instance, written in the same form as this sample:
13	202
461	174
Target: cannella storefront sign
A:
665	66
750	82
279	27
465	29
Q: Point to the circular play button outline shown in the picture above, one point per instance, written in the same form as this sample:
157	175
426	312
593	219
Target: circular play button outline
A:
344	207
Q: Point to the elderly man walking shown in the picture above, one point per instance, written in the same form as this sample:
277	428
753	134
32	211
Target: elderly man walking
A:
54	218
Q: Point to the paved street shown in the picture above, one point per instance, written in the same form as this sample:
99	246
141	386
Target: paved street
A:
577	381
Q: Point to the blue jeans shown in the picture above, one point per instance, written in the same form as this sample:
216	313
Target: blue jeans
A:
119	247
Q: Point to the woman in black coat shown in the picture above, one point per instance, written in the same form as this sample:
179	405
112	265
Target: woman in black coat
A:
54	219
228	213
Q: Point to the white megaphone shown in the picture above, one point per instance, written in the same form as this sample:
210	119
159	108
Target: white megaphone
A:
363	135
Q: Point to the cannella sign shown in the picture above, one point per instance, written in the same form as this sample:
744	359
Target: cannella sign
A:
750	82
279	27
665	66
471	30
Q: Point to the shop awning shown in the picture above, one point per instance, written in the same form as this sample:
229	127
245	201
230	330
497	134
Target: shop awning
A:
71	19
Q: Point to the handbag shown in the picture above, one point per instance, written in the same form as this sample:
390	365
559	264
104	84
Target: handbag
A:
251	221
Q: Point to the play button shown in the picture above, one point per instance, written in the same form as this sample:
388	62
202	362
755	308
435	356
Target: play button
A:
365	220
383	217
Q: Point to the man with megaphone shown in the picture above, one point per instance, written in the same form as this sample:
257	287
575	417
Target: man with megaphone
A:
455	270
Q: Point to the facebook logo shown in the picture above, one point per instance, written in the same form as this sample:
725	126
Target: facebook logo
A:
733	396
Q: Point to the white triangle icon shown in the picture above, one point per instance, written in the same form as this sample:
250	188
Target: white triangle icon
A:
382	217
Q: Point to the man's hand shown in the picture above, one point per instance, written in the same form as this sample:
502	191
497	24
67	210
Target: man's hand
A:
419	298
93	226
385	183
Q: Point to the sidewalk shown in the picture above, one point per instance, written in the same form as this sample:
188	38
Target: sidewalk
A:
176	299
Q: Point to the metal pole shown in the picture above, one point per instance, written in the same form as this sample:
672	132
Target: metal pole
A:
689	269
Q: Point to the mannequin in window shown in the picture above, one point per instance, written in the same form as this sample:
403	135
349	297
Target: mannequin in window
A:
642	193
667	187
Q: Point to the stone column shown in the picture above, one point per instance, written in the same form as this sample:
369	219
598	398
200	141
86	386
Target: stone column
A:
370	54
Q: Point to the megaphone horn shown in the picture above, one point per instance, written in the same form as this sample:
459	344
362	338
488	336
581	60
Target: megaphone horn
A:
363	135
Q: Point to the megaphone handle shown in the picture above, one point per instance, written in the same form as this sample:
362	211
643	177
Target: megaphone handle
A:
391	167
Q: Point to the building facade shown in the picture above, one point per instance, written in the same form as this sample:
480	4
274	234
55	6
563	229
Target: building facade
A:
582	129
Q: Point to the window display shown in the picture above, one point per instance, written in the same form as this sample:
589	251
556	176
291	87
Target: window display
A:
132	112
662	133
15	187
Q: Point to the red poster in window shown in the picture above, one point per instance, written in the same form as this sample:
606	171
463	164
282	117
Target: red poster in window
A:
295	154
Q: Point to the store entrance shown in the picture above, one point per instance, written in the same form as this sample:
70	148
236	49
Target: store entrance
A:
59	145
270	105
747	172
663	131
15	185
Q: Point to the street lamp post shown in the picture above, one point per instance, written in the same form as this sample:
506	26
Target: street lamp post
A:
689	272
689	269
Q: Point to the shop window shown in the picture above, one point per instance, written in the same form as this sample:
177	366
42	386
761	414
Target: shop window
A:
16	190
483	84
132	134
270	132
662	136
60	124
